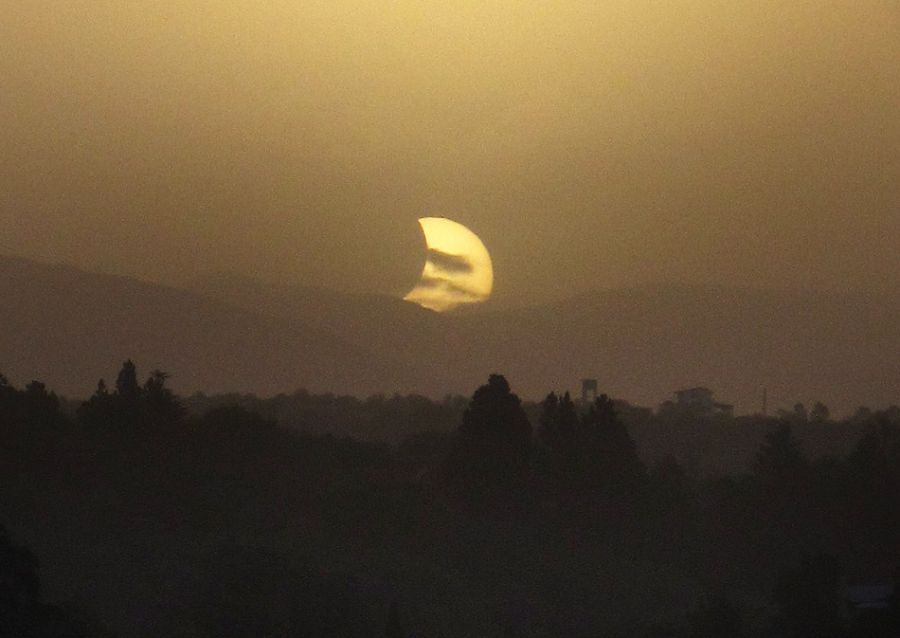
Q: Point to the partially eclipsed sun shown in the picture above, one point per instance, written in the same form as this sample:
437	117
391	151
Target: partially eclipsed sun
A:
458	268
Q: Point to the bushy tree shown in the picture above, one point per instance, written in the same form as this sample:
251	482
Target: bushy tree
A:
548	422
127	387
491	458
19	587
131	405
608	455
22	613
394	628
591	456
780	461
716	618
809	599
41	406
819	413
558	421
32	408
161	403
798	415
874	476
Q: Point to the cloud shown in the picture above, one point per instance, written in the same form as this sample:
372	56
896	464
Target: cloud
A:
431	282
460	293
449	263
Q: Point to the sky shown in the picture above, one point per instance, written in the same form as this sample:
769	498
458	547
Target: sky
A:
590	144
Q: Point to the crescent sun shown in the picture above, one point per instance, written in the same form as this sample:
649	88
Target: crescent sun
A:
458	269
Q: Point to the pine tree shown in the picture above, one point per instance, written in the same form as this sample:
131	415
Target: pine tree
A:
394	626
608	455
780	461
161	403
492	455
127	387
548	422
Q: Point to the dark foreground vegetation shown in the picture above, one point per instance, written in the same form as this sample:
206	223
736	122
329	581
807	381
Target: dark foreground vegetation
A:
142	514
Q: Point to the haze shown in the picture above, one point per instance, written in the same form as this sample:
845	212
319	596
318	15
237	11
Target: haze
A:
589	144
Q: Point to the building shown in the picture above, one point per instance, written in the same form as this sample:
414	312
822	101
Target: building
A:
700	402
588	391
862	598
872	609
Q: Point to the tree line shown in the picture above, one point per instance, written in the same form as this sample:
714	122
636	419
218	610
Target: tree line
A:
225	523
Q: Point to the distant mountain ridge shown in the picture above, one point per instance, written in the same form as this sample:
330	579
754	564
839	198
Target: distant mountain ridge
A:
69	327
641	343
231	333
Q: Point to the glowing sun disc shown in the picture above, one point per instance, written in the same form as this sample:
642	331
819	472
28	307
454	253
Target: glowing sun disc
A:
458	269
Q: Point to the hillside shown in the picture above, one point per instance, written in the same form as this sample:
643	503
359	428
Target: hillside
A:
640	343
643	343
64	326
237	334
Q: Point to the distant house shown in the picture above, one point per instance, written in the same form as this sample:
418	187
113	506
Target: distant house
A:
699	401
872	609
588	391
861	598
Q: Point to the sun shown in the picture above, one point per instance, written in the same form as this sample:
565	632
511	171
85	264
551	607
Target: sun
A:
458	269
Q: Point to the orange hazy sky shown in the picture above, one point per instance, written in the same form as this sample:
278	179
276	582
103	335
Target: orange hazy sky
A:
589	143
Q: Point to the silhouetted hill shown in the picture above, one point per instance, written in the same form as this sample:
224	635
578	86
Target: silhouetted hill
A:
375	322
644	342
233	333
65	326
641	343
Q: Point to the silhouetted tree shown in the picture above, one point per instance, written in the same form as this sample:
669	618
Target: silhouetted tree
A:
394	627
558	421
819	413
716	618
127	387
797	415
780	461
591	458
161	403
809	599
131	405
30	409
22	614
236	473
98	410
493	449
671	502
19	588
893	610
119	408
874	477
879	448
568	417
548	422
607	455
41	406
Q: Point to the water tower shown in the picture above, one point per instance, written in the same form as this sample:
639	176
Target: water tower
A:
588	391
